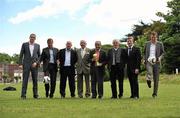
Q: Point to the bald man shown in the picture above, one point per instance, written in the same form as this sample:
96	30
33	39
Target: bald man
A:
67	58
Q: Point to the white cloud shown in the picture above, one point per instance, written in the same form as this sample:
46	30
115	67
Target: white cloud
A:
123	13
50	8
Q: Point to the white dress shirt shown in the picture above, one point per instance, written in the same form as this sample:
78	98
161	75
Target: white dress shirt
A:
152	51
31	48
67	58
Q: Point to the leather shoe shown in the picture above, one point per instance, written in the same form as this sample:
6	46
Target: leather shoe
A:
149	83
154	95
23	97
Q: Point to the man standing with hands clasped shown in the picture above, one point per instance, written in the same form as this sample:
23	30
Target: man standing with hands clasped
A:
133	66
29	62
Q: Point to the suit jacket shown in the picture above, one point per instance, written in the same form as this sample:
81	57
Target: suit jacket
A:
102	59
83	64
123	57
159	50
45	57
61	58
25	56
133	59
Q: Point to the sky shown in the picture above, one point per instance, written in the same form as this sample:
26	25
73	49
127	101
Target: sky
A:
71	20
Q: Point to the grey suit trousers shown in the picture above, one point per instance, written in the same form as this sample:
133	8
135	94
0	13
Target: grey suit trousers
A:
34	74
153	74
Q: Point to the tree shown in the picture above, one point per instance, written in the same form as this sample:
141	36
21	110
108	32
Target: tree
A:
171	36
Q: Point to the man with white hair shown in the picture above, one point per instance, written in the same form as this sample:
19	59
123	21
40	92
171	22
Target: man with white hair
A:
116	62
83	69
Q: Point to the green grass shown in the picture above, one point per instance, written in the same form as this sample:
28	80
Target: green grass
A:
167	105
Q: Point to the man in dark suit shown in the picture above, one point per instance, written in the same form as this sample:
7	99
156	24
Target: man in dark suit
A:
83	69
29	61
116	63
67	58
153	52
97	68
48	57
133	66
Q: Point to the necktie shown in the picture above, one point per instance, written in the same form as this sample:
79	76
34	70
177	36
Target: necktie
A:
129	51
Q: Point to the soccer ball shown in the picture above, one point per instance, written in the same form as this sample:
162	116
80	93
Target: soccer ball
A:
46	79
152	60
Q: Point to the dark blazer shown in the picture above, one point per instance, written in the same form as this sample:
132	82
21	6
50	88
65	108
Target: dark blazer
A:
134	58
123	57
102	59
45	57
61	58
25	58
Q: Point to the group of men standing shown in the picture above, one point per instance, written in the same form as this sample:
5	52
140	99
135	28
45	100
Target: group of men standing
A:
90	64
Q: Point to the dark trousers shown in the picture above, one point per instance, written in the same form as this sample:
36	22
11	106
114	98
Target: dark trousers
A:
133	80
67	72
97	81
34	74
116	73
80	84
52	72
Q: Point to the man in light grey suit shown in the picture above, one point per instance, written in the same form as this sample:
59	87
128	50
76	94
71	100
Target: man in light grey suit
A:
153	53
29	62
83	69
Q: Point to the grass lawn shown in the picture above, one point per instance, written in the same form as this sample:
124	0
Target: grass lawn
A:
166	105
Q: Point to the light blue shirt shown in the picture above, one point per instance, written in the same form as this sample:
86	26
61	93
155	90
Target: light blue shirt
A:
51	56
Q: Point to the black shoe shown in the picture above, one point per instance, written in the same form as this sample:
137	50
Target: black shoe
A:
114	97
72	95
36	97
23	97
120	96
131	96
47	95
100	97
149	83
51	96
81	96
62	96
93	97
154	95
87	95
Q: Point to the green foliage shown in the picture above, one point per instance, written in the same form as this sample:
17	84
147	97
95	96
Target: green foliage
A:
171	36
5	58
106	47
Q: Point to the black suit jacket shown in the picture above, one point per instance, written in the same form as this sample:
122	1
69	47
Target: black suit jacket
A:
102	59
123	58
61	58
134	59
45	57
